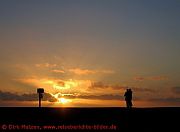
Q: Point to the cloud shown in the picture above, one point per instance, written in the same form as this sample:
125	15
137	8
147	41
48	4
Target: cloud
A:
154	78
101	85
45	65
101	97
138	89
97	97
135	89
60	83
58	71
169	99
23	67
8	83
41	81
139	78
107	71
30	80
53	84
8	96
176	90
79	71
96	85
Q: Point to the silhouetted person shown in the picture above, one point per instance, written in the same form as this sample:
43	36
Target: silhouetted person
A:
128	98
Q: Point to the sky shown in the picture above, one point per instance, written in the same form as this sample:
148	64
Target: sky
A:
88	52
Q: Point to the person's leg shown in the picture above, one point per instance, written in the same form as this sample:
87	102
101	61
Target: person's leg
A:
127	105
131	104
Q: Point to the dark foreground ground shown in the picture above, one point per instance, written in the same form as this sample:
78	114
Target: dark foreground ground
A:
90	119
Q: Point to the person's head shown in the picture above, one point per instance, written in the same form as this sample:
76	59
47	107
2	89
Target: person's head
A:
130	90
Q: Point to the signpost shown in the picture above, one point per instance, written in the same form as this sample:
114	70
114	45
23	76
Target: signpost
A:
40	91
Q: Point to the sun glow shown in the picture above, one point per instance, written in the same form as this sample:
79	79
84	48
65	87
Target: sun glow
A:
65	84
64	101
61	99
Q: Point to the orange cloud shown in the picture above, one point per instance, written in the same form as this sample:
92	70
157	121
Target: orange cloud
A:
158	78
45	65
82	72
100	97
8	96
107	71
79	71
139	78
154	78
46	83
176	90
53	85
58	71
101	85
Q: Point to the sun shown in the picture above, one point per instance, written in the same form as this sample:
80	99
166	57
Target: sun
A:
63	100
